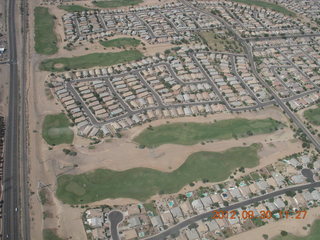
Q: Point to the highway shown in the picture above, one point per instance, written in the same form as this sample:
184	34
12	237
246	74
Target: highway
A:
15	120
11	220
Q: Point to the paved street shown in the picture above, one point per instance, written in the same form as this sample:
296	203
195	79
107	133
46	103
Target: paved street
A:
15	194
11	218
115	217
208	215
306	172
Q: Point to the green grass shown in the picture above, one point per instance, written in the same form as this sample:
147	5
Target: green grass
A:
255	176
313	115
43	196
116	3
121	42
49	234
74	8
142	183
150	207
192	133
269	5
258	222
45	37
90	60
314	234
221	42
55	129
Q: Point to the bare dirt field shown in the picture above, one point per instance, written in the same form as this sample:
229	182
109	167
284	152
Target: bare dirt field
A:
4	88
294	226
167	157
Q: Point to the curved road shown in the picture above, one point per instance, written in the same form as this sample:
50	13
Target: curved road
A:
175	229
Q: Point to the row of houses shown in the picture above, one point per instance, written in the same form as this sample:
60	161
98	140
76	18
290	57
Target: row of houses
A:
220	69
290	70
244	71
143	220
306	8
167	23
94	101
182	84
304	102
254	21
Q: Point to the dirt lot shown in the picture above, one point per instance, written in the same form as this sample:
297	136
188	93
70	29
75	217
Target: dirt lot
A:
169	156
294	226
4	88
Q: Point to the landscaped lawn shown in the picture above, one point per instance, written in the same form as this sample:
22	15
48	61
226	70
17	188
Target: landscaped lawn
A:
150	207
49	234
264	4
192	133
90	60
45	38
116	3
313	115
121	42
73	8
142	183
221	42
313	235
55	129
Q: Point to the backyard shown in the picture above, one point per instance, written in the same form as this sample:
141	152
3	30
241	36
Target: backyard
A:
193	133
142	183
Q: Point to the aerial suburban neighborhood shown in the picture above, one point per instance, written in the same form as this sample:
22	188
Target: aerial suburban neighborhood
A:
160	119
